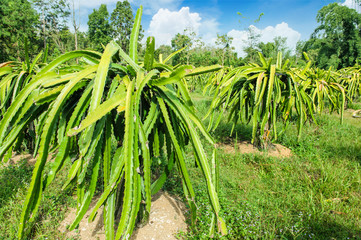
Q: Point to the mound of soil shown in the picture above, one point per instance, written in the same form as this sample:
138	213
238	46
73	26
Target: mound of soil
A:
277	150
166	219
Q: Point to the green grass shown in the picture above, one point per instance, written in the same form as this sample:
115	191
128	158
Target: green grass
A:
15	180
355	104
316	194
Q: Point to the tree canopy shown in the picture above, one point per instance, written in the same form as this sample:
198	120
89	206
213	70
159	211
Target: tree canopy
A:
336	41
122	22
100	31
18	20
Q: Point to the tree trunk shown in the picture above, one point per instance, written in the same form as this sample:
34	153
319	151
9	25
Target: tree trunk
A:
44	28
75	29
223	57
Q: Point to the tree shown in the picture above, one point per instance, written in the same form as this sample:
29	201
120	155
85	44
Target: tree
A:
18	21
271	49
122	22
224	42
205	56
75	26
53	16
100	31
164	50
337	40
267	49
252	41
299	61
189	40
251	44
178	42
64	41
281	46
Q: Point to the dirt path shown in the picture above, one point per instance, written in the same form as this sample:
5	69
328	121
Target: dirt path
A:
166	219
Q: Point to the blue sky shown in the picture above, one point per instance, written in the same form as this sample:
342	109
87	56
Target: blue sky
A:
295	19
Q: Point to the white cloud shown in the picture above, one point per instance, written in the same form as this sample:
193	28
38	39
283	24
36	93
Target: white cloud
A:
239	39
267	35
208	31
283	30
352	4
165	24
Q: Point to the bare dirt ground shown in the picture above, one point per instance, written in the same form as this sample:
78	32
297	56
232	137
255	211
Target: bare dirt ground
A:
165	221
16	158
86	230
30	160
276	150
